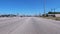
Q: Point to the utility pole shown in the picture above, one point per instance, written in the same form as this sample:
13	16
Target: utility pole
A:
44	7
17	14
51	10
54	12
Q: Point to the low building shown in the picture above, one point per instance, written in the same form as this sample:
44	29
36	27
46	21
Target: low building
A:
53	15
57	15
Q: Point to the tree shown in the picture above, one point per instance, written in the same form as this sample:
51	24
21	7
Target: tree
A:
53	12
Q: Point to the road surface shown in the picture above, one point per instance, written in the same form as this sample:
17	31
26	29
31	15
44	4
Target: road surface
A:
29	25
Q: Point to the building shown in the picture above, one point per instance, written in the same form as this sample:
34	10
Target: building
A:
53	15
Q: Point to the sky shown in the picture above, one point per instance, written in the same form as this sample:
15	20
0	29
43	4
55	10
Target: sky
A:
28	7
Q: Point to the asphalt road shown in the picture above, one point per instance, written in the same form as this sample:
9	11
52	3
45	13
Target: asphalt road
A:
29	25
